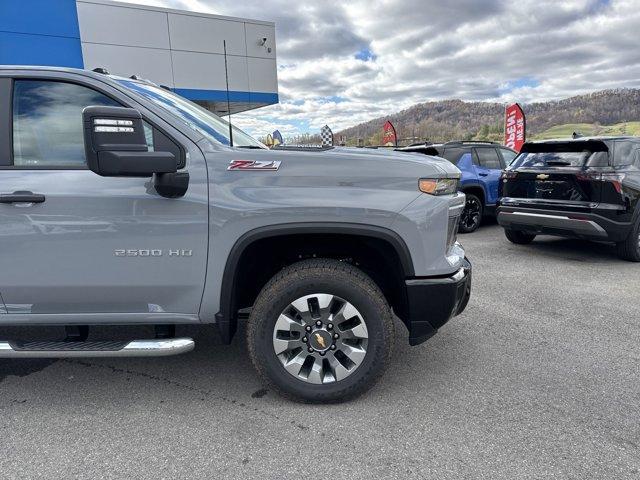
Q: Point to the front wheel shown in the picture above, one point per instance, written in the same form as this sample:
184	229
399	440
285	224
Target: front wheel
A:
630	249
471	215
320	331
521	238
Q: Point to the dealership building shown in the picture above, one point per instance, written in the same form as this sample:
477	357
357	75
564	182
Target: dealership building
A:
179	49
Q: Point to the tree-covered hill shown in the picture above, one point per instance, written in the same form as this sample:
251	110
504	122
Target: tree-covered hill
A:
603	112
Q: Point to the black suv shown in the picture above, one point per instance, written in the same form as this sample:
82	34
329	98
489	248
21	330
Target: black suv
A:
481	164
585	188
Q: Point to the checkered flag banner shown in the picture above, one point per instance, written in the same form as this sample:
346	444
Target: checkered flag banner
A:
327	136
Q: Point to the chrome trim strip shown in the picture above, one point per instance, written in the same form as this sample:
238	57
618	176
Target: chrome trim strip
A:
459	275
538	215
136	348
158	348
455	209
553	221
457	201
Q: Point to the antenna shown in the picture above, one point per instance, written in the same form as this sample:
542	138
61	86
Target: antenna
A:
226	74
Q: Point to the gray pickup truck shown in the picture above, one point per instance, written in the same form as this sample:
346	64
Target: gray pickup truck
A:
122	203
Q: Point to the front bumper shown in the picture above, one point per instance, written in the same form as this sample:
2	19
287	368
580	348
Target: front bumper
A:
434	301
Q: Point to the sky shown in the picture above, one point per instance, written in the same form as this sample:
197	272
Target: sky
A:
344	62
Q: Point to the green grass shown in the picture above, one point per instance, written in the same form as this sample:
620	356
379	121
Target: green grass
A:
565	131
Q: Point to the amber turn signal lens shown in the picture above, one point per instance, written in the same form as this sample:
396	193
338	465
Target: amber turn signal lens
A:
428	186
438	186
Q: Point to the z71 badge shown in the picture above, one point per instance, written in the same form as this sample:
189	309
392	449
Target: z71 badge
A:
261	165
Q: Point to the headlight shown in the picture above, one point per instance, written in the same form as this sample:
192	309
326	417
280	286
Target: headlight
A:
438	186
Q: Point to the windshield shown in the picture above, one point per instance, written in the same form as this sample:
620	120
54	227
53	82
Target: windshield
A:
583	154
194	116
560	159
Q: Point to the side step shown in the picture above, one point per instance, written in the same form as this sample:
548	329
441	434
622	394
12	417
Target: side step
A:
137	348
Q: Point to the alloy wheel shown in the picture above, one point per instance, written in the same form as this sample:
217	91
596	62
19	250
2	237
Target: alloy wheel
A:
320	338
470	218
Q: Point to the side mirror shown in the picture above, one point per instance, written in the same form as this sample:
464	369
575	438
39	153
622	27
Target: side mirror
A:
115	144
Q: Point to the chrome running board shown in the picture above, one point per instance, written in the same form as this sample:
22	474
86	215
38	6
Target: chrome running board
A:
137	348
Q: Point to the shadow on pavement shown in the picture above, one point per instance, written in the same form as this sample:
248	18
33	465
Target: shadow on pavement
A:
573	249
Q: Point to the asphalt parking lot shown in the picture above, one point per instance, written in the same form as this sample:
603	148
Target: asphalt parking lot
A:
539	378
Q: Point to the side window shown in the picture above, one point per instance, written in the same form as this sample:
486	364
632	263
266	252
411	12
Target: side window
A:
454	154
148	136
47	122
624	153
508	156
488	158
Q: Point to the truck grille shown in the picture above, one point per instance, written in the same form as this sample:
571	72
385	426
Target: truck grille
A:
452	229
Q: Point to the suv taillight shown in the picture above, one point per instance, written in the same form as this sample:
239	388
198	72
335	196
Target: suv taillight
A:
615	178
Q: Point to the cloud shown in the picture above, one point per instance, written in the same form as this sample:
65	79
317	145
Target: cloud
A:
346	62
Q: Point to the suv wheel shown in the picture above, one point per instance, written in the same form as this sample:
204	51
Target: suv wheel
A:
320	331
630	249
521	238
472	214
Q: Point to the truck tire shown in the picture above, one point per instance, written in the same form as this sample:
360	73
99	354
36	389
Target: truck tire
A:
471	215
320	331
630	249
521	238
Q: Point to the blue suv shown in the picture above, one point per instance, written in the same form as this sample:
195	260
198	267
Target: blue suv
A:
481	164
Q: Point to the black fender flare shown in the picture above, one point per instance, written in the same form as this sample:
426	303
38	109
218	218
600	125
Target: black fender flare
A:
226	318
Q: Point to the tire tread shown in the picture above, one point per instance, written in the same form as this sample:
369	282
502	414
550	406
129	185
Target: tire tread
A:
518	237
628	249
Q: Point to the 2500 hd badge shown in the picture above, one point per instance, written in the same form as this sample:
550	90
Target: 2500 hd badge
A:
154	252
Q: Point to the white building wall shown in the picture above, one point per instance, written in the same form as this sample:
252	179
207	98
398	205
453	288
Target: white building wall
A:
182	50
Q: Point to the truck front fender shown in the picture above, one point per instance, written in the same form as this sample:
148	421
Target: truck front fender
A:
226	318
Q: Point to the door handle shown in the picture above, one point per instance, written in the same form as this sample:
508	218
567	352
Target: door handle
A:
483	174
21	197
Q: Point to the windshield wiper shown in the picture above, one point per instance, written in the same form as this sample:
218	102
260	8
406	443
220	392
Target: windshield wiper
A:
253	147
558	162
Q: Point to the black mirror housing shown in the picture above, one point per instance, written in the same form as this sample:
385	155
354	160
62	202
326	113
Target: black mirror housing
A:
115	144
135	164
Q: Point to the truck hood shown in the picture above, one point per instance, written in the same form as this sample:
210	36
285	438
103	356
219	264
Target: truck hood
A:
380	161
448	169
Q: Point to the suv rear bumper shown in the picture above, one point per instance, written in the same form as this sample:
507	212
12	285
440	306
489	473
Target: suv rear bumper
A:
434	301
563	223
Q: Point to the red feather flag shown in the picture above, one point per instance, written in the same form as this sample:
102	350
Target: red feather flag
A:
389	137
515	127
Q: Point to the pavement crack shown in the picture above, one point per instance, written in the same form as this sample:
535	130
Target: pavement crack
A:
190	388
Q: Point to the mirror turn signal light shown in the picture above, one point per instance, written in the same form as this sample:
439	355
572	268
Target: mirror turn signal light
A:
112	125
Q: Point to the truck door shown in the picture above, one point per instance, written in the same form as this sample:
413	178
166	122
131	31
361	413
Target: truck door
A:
91	247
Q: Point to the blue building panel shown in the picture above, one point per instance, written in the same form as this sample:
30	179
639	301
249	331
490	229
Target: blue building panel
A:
40	17
26	49
40	32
